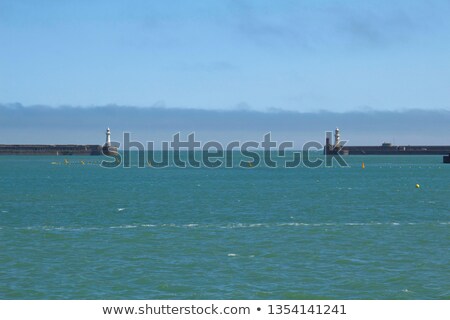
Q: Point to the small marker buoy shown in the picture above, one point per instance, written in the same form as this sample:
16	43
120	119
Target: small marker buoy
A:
417	185
363	165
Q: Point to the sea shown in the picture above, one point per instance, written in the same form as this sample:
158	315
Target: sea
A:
72	229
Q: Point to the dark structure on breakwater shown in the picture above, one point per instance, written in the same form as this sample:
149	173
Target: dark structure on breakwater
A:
60	149
385	149
447	159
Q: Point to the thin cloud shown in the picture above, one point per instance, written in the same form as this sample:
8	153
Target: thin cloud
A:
375	28
313	26
264	29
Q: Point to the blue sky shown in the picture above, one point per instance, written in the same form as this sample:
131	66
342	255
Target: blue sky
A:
262	55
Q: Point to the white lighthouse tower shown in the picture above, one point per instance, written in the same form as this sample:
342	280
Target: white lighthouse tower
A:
108	138
108	149
337	138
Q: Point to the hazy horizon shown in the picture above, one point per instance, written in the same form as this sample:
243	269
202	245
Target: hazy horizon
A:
87	125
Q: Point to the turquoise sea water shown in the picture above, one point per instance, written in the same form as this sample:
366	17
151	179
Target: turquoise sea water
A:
85	232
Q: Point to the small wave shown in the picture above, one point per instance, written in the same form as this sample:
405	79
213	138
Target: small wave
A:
54	228
232	254
235	226
191	225
58	228
362	223
221	226
252	225
295	224
242	225
120	209
128	226
173	225
407	291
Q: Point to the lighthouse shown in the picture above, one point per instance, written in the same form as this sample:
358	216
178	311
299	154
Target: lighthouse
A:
337	138
108	149
108	138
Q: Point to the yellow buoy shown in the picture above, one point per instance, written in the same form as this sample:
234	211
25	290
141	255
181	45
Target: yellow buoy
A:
417	185
363	165
82	162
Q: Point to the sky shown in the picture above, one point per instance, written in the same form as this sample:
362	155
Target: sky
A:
261	56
